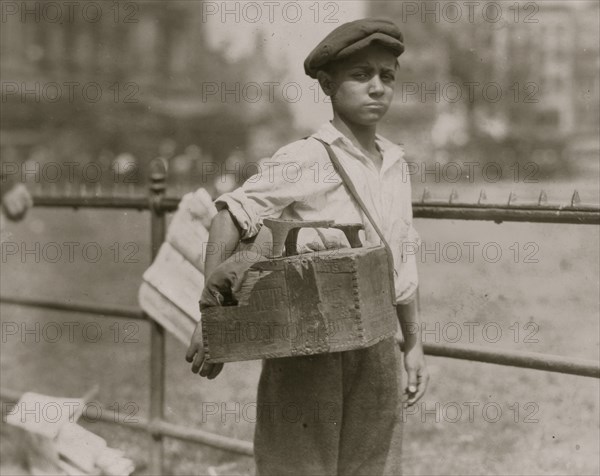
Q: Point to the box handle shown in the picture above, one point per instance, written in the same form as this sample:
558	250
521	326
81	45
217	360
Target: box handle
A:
285	233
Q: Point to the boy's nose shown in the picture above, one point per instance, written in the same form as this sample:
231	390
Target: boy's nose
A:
376	85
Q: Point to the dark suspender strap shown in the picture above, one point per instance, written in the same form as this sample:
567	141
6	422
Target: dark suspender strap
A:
352	191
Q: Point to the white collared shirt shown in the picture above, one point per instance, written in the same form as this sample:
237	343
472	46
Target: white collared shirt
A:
299	183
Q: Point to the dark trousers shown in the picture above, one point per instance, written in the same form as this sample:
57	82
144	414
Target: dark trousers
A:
331	414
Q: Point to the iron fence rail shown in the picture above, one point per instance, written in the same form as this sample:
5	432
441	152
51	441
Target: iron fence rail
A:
535	213
500	213
159	204
515	358
125	312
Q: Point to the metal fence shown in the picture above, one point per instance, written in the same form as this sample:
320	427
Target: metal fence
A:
158	204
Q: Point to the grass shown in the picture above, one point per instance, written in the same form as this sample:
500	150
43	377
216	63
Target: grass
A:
548	423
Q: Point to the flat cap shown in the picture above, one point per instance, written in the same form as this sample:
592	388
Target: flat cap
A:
351	37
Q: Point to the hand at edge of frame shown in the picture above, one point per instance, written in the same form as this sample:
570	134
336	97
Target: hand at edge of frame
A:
418	375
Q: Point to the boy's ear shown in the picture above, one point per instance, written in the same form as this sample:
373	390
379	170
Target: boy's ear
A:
326	82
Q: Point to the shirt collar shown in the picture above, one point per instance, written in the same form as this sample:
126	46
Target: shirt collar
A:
329	133
391	152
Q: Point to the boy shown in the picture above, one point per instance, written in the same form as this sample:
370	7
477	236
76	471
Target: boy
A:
336	413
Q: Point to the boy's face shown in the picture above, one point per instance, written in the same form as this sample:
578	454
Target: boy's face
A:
362	86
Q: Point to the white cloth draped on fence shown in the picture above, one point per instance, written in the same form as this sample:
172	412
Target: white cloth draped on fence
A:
172	285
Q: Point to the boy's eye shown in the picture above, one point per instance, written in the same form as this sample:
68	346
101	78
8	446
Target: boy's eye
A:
360	75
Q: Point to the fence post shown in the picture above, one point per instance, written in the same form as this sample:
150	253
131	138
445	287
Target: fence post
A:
157	337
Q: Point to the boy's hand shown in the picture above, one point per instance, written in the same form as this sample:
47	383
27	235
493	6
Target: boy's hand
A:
16	202
217	284
226	280
418	375
219	290
195	354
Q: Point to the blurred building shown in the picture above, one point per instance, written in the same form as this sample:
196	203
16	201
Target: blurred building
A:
587	70
534	74
123	77
541	58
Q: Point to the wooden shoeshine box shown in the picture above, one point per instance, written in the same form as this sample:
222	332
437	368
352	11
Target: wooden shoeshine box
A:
312	303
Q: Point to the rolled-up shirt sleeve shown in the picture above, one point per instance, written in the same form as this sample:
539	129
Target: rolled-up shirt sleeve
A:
279	182
407	280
